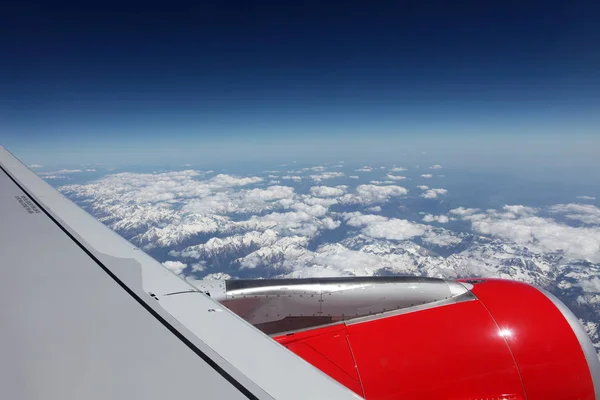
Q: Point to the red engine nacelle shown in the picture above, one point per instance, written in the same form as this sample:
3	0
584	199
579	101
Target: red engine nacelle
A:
507	341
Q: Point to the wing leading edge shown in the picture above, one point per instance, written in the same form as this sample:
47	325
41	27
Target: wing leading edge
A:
85	314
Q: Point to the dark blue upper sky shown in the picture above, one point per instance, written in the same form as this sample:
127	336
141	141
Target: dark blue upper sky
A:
100	80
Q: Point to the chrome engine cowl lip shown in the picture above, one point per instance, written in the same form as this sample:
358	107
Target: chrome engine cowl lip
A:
290	304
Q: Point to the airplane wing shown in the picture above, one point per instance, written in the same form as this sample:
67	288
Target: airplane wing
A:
86	315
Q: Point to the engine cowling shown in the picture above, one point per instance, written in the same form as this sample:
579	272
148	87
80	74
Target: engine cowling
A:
499	340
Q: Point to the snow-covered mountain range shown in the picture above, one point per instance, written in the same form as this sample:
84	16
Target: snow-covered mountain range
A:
202	225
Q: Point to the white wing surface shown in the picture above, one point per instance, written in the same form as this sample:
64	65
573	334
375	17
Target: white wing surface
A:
86	315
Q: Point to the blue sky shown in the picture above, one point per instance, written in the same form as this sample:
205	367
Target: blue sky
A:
229	81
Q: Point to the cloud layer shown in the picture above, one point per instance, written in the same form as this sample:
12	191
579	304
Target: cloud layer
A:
203	224
522	225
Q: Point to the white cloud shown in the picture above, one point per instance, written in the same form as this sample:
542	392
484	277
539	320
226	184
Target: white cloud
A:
398	169
305	221
175	266
380	193
274	182
171	207
586	198
366	258
426	176
326	191
315	210
462	212
436	166
330	223
586	213
307	218
442	219
158	187
374	209
59	172
365	169
269	194
326	202
394	229
395	177
592	285
223	180
357	219
242	201
433	193
295	178
354	177
34	166
349	260
326	175
423	187
441	239
519	210
381	227
521	225
368	194
198	267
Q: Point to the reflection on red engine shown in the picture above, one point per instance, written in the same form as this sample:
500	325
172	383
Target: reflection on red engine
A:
509	341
